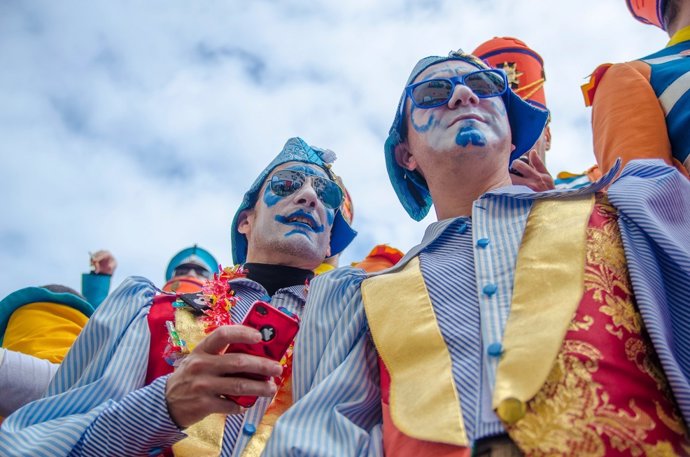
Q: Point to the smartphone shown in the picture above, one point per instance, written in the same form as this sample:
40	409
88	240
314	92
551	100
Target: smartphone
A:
278	330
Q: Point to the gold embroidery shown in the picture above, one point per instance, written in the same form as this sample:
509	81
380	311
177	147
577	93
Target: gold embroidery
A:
571	399
674	422
584	324
637	352
573	414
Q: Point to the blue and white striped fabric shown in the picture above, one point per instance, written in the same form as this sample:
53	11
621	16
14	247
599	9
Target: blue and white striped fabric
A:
448	269
97	403
336	383
654	207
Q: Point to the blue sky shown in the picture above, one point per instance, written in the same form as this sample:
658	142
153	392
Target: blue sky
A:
137	126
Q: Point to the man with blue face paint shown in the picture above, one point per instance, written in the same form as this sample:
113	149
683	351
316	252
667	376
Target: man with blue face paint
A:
525	323
149	374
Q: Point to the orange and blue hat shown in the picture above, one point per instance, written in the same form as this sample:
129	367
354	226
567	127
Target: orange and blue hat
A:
526	124
648	11
523	66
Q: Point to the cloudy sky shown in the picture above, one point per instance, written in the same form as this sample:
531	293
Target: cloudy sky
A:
137	126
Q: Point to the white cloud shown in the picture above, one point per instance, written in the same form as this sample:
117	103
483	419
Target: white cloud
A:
137	127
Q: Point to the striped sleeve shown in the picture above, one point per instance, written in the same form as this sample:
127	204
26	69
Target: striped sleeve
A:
136	425
95	381
336	387
653	203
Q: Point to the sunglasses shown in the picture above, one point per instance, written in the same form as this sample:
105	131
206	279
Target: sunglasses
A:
287	182
436	92
185	270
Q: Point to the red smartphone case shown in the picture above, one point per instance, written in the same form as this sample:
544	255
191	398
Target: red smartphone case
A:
277	329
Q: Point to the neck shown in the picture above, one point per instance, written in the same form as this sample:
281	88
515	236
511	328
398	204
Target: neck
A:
454	193
274	277
681	19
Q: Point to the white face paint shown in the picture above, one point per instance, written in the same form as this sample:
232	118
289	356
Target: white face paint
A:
293	230
466	123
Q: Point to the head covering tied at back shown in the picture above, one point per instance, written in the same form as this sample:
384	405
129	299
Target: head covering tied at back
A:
195	255
295	150
523	66
526	124
648	11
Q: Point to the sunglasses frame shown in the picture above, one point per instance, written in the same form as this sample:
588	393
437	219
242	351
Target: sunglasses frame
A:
315	178
454	81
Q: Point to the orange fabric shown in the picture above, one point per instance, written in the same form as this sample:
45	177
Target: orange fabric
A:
380	258
627	119
183	285
589	89
44	330
523	66
397	444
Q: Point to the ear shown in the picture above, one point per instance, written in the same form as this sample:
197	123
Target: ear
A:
404	157
246	221
547	137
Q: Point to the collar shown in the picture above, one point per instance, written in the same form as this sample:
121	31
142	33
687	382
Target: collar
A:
680	36
434	230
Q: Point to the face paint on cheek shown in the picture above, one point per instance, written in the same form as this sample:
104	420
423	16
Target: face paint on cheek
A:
499	106
270	198
421	128
330	215
469	134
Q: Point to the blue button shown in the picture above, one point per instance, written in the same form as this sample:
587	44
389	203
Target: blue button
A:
483	242
249	429
490	289
155	451
266	298
495	349
462	228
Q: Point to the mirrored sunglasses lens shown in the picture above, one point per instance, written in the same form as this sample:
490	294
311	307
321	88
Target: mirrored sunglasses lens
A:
286	182
486	83
432	93
328	192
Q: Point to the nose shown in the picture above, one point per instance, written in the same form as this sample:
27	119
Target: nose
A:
306	195
462	95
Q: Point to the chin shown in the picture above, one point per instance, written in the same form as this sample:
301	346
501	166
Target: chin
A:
301	249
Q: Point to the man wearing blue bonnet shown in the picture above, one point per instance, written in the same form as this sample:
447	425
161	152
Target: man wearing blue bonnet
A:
149	374
524	323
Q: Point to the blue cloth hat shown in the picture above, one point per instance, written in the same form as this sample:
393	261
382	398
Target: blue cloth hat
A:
295	150
526	124
194	254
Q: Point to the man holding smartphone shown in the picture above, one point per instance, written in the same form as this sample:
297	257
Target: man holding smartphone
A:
115	393
525	323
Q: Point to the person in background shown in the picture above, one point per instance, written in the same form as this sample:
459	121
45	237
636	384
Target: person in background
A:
641	109
524	68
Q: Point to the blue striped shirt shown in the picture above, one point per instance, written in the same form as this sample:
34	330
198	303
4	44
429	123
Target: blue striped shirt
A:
336	383
97	403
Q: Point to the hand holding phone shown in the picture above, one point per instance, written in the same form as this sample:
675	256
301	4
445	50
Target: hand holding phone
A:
278	330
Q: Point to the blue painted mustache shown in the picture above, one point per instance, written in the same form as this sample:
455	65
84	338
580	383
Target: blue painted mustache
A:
314	227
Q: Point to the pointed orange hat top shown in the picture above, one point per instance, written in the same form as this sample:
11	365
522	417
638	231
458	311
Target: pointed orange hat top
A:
524	67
